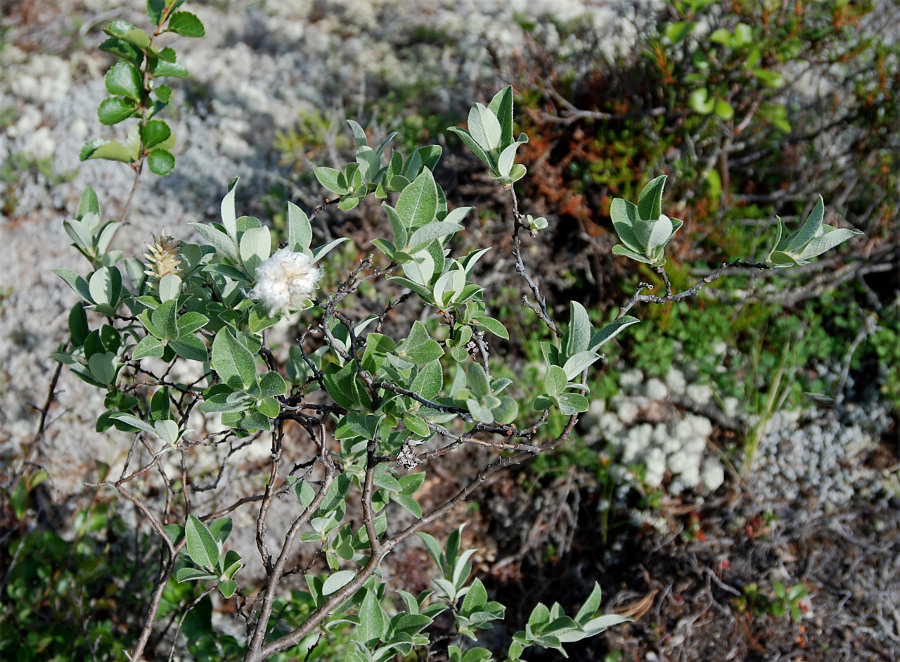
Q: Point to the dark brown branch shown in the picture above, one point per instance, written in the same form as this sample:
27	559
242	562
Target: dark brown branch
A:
256	651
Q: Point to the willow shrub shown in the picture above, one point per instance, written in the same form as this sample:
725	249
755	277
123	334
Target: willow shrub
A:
372	412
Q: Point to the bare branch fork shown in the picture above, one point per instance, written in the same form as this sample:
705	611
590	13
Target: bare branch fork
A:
637	297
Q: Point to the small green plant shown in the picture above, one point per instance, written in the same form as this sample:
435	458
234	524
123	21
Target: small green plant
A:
782	600
772	401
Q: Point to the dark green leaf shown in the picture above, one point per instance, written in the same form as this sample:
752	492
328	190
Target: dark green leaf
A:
609	331
168	54
429	381
192	575
578	362
429	231
232	361
127	32
186	24
477	380
227	587
123	49
418	202
429	155
124	80
421	290
155	132
219	240
115	109
650	199
88	204
343	387
373	619
385	247
336	581
471	143
163	93
507	411
502	106
160	405
148	346
268	407
226	402
272	384
299	229
78	324
408	504
484	127
163	68
590	606
383	478
155	10
190	347
221	530
325	249
190	322
329	178
164	319
426	353
572	403
494	326
78	284
134	422
106	287
161	162
555	381
475	599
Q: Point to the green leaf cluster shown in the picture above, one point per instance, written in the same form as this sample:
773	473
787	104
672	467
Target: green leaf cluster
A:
490	137
551	628
642	228
367	174
576	352
205	549
135	91
482	396
810	240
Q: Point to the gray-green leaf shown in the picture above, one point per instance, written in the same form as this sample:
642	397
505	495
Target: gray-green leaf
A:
201	546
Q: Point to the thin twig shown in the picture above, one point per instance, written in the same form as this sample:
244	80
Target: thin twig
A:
42	428
539	308
255	650
637	297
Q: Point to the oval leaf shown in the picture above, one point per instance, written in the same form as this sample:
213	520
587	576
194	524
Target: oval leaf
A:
161	162
337	581
186	24
155	132
124	80
232	361
115	109
201	546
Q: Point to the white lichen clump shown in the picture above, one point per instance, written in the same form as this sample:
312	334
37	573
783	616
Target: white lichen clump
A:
678	451
285	281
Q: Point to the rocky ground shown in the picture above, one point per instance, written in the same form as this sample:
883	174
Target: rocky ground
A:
818	508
